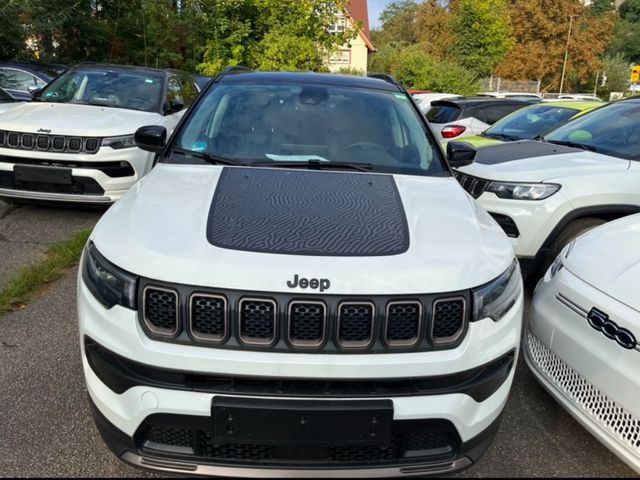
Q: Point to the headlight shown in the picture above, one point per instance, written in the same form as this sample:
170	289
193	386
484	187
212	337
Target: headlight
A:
118	143
497	297
523	191
109	284
558	262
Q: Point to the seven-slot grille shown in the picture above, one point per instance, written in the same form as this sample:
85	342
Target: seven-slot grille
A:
473	185
283	322
49	143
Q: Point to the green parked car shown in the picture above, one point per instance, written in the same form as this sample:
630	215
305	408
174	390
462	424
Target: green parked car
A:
530	123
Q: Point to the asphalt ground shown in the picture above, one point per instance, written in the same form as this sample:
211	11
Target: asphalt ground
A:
46	428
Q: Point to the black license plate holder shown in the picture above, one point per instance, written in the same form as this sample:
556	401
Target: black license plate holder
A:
318	423
42	174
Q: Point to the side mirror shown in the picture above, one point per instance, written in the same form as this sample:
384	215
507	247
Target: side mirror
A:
151	138
174	106
34	90
460	154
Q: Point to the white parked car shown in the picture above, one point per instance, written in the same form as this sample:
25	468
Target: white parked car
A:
424	99
456	118
299	288
582	337
544	194
74	141
579	96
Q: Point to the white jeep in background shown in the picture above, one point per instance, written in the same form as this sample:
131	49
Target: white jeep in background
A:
545	194
74	142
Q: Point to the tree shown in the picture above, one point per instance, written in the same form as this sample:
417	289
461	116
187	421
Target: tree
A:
630	11
600	7
271	34
617	72
434	30
541	28
397	20
482	31
12	33
626	41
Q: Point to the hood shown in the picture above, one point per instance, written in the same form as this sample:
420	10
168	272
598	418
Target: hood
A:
609	259
201	225
532	161
81	120
8	106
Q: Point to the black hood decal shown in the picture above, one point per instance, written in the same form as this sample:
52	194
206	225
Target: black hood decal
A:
511	151
302	212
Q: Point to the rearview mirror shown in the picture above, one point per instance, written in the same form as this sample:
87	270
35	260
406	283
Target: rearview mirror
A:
460	154
151	138
174	106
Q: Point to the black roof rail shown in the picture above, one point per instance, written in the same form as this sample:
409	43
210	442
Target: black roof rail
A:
387	78
231	70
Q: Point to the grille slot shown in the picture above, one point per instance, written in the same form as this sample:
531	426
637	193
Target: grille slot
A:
257	321
355	324
49	143
410	440
620	423
307	323
402	326
448	320
208	317
473	185
160	311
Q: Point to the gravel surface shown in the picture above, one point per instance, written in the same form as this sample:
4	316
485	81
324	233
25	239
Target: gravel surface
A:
25	232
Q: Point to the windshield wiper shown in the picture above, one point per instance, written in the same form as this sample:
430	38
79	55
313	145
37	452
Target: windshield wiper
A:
315	165
500	136
568	143
209	158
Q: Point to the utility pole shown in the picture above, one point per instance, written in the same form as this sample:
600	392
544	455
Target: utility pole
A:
566	54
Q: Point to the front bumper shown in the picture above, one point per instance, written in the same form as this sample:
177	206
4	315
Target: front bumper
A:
90	183
126	412
589	374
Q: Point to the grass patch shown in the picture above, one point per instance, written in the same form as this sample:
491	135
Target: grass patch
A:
28	281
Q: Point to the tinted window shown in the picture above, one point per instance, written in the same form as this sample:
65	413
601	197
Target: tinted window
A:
612	130
174	91
443	113
531	122
493	113
130	90
5	97
258	123
16	80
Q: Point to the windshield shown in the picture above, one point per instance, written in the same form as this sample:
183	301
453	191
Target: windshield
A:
612	130
130	90
321	124
530	122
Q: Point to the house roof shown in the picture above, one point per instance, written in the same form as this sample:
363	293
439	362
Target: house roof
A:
359	11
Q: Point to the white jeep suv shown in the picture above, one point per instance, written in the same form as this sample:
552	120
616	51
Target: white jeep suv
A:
299	287
582	337
74	142
544	194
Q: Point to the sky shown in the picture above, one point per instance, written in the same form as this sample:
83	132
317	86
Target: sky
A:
375	9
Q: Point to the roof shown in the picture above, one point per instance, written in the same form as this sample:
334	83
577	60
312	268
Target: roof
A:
41	70
310	78
111	66
476	101
359	11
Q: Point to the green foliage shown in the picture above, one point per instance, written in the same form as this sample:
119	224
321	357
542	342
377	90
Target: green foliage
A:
271	34
397	20
483	34
350	71
617	72
600	7
626	41
415	68
630	11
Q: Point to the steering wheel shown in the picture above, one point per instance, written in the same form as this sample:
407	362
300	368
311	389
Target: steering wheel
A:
372	145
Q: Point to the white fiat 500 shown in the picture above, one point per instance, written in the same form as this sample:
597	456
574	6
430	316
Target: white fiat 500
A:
74	142
299	288
582	337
